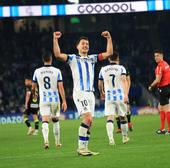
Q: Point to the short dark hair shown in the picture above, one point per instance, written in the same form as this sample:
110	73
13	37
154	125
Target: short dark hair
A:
114	56
81	38
46	56
158	51
28	76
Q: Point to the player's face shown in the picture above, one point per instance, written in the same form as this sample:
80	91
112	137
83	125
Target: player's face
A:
83	46
158	57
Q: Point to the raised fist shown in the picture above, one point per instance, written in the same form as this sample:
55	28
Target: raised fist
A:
57	34
106	34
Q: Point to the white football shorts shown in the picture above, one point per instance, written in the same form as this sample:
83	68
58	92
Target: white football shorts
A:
115	108
50	109
84	101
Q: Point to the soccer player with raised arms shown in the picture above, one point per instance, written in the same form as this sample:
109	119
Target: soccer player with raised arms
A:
82	67
49	81
113	86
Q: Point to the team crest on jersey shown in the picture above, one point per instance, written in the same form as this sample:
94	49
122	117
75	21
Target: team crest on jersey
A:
85	108
34	100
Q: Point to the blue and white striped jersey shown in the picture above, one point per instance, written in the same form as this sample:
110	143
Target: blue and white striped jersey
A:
111	76
82	71
47	78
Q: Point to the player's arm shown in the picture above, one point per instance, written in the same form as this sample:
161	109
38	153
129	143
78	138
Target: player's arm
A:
101	88
34	87
56	47
109	48
34	90
156	81
125	87
27	98
128	83
62	94
158	78
101	85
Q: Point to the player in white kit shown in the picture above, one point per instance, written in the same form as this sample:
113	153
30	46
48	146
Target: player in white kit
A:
113	86
48	79
82	67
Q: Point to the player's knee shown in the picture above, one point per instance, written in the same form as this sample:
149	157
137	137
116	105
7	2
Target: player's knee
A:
88	121
160	108
55	119
166	107
111	117
87	118
163	108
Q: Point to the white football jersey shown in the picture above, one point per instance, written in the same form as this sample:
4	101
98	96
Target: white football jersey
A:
47	78
111	76
82	71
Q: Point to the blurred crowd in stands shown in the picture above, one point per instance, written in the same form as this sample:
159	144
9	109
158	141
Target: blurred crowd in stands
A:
20	54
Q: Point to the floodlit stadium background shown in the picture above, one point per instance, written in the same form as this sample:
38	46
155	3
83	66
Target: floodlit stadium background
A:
26	28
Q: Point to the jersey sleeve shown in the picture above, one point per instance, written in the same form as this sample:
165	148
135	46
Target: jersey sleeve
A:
100	75
158	70
70	58
94	57
35	77
60	78
123	71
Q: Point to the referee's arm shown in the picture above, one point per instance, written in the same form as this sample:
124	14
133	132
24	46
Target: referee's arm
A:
155	82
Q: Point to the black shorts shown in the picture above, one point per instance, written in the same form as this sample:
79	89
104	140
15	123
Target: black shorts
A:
164	93
31	111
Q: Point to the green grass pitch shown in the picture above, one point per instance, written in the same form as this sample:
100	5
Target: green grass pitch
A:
145	149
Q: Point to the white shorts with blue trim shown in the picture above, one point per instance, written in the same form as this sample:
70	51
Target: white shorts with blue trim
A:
84	101
115	108
50	109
